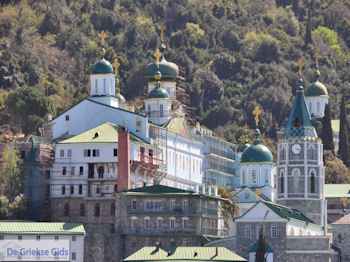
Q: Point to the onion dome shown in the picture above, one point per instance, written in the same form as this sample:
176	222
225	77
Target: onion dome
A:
158	92
257	153
169	70
102	66
244	146
317	88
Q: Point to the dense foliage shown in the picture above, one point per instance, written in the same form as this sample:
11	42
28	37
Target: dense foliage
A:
236	54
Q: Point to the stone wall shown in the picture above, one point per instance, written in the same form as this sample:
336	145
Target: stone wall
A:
341	239
308	243
311	257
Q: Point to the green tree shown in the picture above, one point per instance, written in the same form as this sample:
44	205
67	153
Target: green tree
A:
260	255
308	35
230	205
327	132
28	109
343	151
10	174
335	170
329	37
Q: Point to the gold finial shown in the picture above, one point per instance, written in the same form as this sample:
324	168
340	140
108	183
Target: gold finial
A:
102	35
162	28
300	65
116	65
246	127
257	112
157	55
316	56
257	194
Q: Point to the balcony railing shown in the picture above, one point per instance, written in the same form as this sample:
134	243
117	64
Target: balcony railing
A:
215	166
160	231
190	210
222	153
215	232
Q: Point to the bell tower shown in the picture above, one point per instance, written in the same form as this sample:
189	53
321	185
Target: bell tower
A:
300	170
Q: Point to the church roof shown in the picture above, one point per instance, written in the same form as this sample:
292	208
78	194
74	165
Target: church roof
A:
102	66
299	122
257	153
158	92
172	254
104	133
317	88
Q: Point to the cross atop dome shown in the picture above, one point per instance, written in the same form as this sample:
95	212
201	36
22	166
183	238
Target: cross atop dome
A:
102	36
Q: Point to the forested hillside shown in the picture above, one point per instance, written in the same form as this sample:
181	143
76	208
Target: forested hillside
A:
236	54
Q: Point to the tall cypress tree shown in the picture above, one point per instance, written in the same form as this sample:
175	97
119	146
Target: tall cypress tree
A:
327	132
261	252
308	36
343	151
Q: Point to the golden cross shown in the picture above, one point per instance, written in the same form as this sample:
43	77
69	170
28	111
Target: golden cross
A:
116	65
162	28
257	194
256	112
102	35
300	65
316	58
344	200
157	55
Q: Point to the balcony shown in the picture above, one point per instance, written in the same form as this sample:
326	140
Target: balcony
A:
222	153
215	213
188	211
215	232
220	168
160	231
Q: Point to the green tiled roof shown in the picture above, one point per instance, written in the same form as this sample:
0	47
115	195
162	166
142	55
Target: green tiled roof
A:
164	190
104	133
257	153
102	66
41	228
184	254
337	190
175	124
317	89
299	111
254	247
158	92
287	212
169	70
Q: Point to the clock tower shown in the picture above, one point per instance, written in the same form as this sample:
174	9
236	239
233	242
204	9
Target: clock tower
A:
300	170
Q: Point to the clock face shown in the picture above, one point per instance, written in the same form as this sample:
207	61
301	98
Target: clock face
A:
296	149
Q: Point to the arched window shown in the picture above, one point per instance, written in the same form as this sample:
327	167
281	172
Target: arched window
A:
82	210
297	122
312	152
282	181
310	107
96	88
66	210
312	182
244	181
253	176
161	112
112	209
291	231
300	232
97	210
266	176
296	172
283	152
104	86
101	171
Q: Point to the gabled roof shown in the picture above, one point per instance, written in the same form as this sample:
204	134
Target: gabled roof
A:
337	190
184	254
104	133
41	228
261	196
178	126
287	212
254	247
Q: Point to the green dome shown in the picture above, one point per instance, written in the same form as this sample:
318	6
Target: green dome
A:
257	153
169	70
102	66
316	89
158	93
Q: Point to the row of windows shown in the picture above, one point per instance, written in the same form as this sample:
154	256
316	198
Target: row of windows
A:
72	170
312	181
159	223
82	211
105	86
158	205
147	242
254	177
20	237
87	152
182	162
80	189
296	172
248	231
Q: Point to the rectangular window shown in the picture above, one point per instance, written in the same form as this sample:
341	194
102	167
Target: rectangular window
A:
72	171
80	189
172	204
63	190
147	223
87	152
74	256
61	153
57	238
64	170
69	152
172	224
72	190
37	237
133	223
95	152
74	238
20	238
81	171
134	204
159	223
98	190
47	172
115	152
67	117
184	223
274	231
153	205
2	237
247	232
23	154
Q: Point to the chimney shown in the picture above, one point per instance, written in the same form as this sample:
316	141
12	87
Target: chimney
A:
123	160
158	245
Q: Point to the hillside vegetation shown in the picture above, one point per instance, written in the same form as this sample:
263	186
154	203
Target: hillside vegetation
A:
236	55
